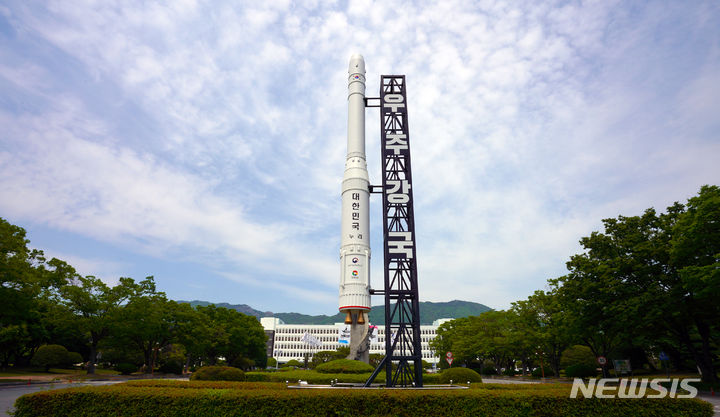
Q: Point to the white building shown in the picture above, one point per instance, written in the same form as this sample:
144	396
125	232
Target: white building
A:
287	341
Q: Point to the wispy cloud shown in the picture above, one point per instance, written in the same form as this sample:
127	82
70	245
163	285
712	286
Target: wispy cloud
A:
215	131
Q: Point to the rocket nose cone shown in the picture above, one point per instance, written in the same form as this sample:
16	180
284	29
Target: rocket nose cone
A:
357	64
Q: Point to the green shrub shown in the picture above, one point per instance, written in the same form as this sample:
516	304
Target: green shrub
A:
344	366
74	358
243	363
459	375
489	370
180	384
172	366
509	372
314	377
218	373
180	398
55	356
126	368
576	355
538	373
580	370
291	363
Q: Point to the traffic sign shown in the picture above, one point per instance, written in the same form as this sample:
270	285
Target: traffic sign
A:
449	361
449	355
664	356
602	360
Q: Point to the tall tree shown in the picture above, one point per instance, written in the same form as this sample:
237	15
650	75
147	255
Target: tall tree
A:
649	277
695	253
27	281
95	304
235	336
147	323
541	324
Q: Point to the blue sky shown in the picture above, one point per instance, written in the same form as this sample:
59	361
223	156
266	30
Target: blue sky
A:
203	142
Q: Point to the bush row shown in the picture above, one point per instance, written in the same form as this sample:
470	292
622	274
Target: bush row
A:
313	377
125	400
459	375
218	373
344	366
180	384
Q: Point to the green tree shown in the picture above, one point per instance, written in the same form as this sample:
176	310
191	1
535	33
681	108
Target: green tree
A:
27	283
148	323
95	305
650	280
577	355
487	336
540	328
443	341
602	294
234	335
695	253
193	333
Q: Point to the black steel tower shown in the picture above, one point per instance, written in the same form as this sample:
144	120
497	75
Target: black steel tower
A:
402	309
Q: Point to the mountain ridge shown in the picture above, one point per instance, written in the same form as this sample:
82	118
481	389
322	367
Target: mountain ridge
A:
429	312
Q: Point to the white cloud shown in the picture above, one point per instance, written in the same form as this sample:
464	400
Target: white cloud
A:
218	130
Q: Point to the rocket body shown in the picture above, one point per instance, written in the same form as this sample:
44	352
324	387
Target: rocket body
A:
355	222
355	226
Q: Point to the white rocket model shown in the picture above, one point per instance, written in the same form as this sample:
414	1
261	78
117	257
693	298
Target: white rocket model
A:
355	229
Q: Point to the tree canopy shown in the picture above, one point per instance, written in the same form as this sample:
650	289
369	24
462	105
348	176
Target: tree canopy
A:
645	284
48	303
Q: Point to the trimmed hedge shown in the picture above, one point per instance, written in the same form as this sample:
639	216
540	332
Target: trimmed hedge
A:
126	368
489	370
172	366
313	377
55	356
581	370
344	366
538	373
181	384
459	375
218	373
233	399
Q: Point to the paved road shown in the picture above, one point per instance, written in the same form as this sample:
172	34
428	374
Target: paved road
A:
9	393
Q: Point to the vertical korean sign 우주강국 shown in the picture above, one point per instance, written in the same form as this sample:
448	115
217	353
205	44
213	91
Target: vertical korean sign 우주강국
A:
403	318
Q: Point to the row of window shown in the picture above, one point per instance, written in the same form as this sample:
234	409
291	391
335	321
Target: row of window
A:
296	344
333	338
295	354
334	330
